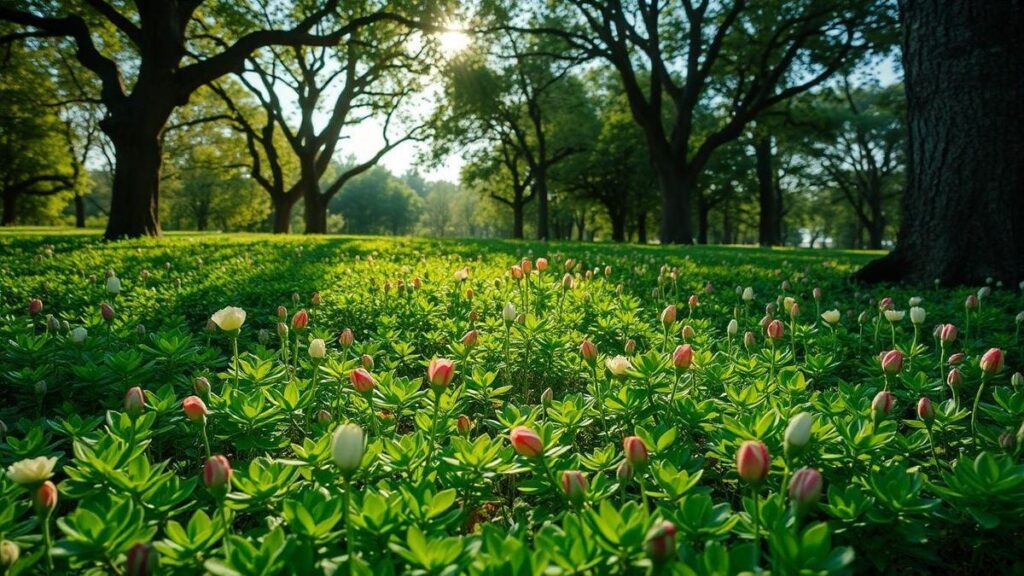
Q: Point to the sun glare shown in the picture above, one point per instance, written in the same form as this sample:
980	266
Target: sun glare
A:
453	40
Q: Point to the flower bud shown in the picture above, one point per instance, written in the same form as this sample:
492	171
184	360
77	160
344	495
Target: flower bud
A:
661	542
574	484
688	332
636	451
45	498
143	560
346	338
885	304
107	311
526	442
440	373
282	330
588	350
954	379
753	462
282	313
1017	380
201	386
347	448
925	410
955	359
113	285
300	320
217	475
948	333
296	298
52	323
1007	441
9	554
798	433
526	265
508	313
682	358
315	299
971	303
323	417
917	315
692	302
134	402
195	409
542	264
816	293
775	330
361	380
79	334
749	340
630	346
881	405
464	425
992	361
624	472
546	396
748	294
567	281
733	328
805	489
317	349
668	315
470	339
892	362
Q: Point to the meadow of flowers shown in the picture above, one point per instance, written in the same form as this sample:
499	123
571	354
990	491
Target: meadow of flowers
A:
248	405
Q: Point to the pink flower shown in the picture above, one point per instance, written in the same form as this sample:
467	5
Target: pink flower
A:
635	450
925	410
542	264
892	362
971	303
464	424
688	332
693	302
588	350
361	380
753	462
526	442
300	320
948	333
346	338
574	484
885	304
775	330
992	361
35	306
668	315
142	560
470	339
217	473
661	542
440	373
195	409
881	404
107	311
682	357
954	379
134	402
955	359
805	488
45	497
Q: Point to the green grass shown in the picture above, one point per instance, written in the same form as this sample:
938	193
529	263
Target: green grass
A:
898	496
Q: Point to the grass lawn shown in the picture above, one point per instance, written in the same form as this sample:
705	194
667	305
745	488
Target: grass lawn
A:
673	445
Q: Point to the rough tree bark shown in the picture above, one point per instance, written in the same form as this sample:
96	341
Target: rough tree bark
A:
963	210
769	230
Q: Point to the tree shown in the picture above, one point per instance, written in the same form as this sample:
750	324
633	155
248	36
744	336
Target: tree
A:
372	74
378	203
516	112
741	57
860	152
40	161
963	208
150	61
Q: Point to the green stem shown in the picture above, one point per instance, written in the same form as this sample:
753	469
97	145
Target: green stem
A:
234	346
757	528
643	490
600	400
47	541
350	547
206	441
931	442
974	410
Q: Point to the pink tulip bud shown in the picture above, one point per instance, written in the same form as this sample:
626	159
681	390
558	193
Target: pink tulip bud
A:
142	560
35	306
992	361
954	379
955	359
775	330
346	338
624	472
464	424
547	396
300	320
323	417
885	304
282	330
749	340
470	339
892	362
630	346
588	350
542	264
440	373
195	409
881	405
971	303
574	484
417	283
668	315
134	402
526	442
925	410
45	498
201	386
693	302
948	333
688	332
217	475
516	272
794	310
661	542
361	380
107	311
682	357
470	293
752	461
805	488
636	451
315	299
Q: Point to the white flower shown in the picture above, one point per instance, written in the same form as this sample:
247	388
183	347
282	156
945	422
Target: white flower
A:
78	334
618	365
509	313
462	274
748	294
1020	318
113	285
32	470
317	349
798	432
917	315
732	328
984	292
228	319
831	316
916	301
347	447
894	315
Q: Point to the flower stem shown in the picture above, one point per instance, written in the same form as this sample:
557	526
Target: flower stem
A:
350	545
974	410
47	540
206	441
757	528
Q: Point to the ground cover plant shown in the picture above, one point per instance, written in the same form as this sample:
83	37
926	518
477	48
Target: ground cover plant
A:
252	405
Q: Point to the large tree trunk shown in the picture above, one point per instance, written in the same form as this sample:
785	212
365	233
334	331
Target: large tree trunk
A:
618	218
703	221
283	205
541	191
963	209
10	217
676	182
768	229
517	220
641	227
136	135
79	211
315	203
